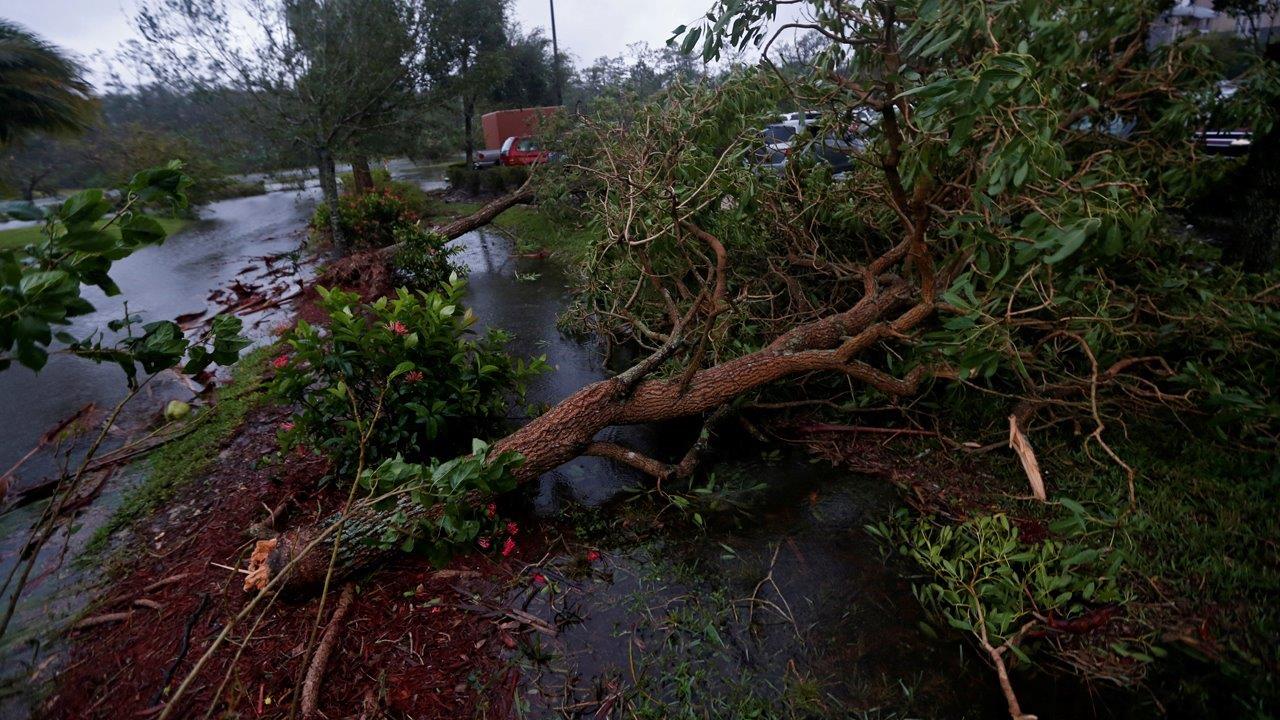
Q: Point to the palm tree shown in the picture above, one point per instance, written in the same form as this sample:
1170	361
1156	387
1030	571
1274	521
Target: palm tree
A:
41	89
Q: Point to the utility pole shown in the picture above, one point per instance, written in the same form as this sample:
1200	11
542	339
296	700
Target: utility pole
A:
555	55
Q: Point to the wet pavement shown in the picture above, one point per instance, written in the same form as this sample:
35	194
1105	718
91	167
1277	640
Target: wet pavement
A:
226	245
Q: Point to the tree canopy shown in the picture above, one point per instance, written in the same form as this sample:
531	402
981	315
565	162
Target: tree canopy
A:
41	89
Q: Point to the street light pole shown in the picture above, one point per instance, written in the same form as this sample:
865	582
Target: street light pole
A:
555	55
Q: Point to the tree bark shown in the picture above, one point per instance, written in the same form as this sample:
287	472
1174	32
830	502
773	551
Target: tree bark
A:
361	175
567	430
329	189
479	218
468	113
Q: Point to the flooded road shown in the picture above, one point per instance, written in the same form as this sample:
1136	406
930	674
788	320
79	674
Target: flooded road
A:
160	282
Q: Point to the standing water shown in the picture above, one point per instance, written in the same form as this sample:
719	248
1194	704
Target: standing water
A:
227	244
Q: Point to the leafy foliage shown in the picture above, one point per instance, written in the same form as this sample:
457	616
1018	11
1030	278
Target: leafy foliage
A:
983	579
398	373
41	285
1030	157
451	490
369	220
423	261
41	89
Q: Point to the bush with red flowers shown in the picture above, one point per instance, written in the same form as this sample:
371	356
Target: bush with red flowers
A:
405	373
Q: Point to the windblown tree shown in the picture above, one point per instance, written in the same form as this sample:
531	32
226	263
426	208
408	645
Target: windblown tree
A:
321	73
467	55
41	89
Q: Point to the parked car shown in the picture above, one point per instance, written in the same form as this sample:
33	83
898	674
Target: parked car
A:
1226	142
486	158
786	141
523	151
775	145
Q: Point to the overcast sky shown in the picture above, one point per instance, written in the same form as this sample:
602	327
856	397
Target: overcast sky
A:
587	28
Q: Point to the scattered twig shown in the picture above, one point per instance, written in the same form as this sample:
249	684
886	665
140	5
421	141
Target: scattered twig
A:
311	688
183	646
97	620
163	582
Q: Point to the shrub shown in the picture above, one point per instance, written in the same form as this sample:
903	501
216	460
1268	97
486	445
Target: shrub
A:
369	220
449	490
402	372
463	178
423	261
494	180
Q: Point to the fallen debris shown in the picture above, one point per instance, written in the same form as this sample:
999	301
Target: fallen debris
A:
311	687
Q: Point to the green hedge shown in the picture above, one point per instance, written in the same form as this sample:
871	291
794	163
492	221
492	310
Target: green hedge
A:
494	180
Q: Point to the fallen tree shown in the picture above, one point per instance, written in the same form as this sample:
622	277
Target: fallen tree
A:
993	239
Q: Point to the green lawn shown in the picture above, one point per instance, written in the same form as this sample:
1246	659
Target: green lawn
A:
534	229
18	237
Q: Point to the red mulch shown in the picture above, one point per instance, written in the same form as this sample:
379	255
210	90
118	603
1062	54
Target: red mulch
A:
365	273
407	650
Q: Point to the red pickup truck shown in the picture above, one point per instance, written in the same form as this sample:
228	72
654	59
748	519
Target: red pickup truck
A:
523	151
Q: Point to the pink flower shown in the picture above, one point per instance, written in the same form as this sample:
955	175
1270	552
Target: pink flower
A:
491	510
280	361
592	556
484	543
398	328
539	579
508	547
512	528
286	426
413	376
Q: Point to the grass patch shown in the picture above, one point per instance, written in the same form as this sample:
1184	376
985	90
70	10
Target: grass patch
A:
534	229
23	236
186	458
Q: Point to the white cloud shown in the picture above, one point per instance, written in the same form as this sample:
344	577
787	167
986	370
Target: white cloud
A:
587	29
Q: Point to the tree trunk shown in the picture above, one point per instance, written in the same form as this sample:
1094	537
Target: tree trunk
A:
468	111
329	189
479	218
567	430
361	174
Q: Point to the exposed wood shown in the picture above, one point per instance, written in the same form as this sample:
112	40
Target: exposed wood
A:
1022	448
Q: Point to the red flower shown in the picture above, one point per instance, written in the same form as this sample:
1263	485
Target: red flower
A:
512	528
280	361
539	579
491	510
398	328
484	543
413	376
508	547
286	426
592	556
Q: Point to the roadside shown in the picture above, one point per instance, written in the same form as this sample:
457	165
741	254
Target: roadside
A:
13	238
